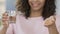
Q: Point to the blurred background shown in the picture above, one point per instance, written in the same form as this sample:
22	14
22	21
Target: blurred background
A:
9	7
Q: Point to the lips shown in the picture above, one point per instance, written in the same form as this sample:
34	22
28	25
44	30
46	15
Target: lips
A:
35	4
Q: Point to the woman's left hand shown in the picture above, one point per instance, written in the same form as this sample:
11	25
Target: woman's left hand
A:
50	21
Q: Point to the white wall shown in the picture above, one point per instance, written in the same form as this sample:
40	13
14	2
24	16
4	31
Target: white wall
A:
2	7
10	5
58	7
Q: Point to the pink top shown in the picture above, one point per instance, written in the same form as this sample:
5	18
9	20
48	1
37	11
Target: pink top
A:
32	25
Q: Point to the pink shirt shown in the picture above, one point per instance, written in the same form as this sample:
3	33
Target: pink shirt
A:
34	25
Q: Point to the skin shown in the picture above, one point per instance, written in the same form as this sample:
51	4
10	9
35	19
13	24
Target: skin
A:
5	23
50	24
36	11
36	7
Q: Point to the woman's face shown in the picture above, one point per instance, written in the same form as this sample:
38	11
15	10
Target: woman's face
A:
36	4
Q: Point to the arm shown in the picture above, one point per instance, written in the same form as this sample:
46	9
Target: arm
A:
50	24
3	31
8	30
53	29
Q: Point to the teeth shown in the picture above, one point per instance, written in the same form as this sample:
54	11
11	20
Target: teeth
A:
35	4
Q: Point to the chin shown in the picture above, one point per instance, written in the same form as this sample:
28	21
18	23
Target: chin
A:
36	9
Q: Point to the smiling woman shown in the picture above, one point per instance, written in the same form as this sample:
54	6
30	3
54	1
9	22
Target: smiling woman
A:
48	7
37	17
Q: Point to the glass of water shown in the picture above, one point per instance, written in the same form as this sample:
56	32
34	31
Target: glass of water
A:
12	16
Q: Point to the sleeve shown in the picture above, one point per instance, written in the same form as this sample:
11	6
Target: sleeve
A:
10	29
58	23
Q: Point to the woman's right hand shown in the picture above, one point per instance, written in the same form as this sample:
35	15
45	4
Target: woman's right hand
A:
5	23
5	19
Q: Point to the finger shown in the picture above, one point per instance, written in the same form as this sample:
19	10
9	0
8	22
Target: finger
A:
46	21
5	24
5	14
52	18
49	22
5	17
3	20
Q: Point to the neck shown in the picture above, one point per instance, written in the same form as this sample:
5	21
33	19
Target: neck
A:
35	13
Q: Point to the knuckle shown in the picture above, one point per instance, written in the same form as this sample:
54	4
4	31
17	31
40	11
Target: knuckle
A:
5	17
5	14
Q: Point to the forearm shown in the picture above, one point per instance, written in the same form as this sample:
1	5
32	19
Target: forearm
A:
53	30
3	31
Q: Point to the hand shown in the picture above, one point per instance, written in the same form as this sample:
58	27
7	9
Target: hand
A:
5	21
50	21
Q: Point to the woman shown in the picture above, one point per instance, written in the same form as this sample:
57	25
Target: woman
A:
37	17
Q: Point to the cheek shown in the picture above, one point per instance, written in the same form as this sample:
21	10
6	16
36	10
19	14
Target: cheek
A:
42	1
40	4
29	1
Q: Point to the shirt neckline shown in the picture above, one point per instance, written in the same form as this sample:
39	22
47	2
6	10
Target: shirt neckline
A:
40	17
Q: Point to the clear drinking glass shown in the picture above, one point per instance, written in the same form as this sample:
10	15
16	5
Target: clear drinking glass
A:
11	15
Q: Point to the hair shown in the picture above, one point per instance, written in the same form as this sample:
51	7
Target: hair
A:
48	10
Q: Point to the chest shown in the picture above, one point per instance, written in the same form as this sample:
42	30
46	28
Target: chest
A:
31	27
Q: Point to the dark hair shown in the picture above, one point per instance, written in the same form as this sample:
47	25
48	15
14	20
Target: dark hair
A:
48	10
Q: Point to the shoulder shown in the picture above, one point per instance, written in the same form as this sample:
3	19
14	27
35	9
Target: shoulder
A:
20	16
58	22
57	18
10	28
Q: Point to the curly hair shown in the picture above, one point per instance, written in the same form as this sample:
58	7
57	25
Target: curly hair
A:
48	10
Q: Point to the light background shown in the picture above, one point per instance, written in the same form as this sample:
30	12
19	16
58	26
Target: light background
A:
10	5
58	7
